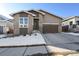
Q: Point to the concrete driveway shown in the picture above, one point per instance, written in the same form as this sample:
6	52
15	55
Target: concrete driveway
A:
61	40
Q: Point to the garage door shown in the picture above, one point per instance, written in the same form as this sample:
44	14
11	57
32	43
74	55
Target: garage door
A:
50	28
1	29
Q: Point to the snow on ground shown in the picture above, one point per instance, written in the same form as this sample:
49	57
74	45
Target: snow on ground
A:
76	34
2	35
22	40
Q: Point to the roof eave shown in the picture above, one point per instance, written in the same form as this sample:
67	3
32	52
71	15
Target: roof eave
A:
51	14
71	17
23	11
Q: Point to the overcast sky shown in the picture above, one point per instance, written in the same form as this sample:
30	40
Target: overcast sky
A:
60	9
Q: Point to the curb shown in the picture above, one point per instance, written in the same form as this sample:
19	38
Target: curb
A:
22	46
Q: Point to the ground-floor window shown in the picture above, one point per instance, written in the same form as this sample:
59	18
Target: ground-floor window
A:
23	21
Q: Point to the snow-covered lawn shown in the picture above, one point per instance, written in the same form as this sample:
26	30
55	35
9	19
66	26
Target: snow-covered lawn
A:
22	40
2	35
76	34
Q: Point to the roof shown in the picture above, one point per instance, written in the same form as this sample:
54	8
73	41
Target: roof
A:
3	17
71	17
37	11
23	11
43	12
50	13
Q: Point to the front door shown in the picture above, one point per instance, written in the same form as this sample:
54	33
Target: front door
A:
36	24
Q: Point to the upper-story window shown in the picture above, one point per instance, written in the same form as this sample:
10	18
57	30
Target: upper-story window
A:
77	22
23	20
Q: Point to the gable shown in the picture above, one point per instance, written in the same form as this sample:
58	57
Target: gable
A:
34	12
50	14
23	14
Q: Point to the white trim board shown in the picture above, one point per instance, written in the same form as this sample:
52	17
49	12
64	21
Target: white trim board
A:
52	23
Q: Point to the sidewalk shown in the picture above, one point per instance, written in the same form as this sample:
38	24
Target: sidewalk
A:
3	35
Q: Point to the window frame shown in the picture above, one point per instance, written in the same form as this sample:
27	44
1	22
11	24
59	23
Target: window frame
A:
20	21
24	22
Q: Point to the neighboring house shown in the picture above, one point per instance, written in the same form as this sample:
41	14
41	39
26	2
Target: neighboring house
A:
71	24
5	25
27	21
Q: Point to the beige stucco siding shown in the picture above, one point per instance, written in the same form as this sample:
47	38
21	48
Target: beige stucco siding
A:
16	24
10	25
30	25
53	20
41	20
